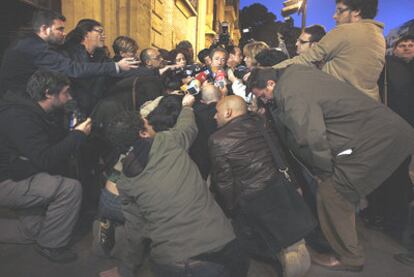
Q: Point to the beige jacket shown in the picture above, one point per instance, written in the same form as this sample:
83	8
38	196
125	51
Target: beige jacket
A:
353	52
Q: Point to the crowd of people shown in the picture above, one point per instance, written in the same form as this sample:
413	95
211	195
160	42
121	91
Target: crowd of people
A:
202	165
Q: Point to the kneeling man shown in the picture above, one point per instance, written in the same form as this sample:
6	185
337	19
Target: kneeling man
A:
251	188
165	199
33	157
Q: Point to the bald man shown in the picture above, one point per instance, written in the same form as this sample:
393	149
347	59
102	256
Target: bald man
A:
229	108
152	60
242	172
210	94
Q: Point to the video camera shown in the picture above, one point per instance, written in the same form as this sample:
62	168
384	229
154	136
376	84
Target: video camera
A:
224	35
240	71
76	118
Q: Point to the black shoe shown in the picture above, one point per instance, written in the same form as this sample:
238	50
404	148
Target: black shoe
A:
56	255
104	237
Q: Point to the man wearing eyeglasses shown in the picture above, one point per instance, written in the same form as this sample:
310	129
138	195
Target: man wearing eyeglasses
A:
152	60
309	38
354	51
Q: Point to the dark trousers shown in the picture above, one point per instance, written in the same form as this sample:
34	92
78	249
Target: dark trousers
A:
47	208
230	261
190	268
390	201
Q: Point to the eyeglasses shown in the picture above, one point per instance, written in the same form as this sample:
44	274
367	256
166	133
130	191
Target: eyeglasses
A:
157	58
301	41
100	31
339	11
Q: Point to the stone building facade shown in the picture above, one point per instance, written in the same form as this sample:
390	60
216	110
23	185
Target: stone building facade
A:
157	23
153	23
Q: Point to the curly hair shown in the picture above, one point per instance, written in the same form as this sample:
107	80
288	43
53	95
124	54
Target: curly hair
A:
174	53
44	82
165	115
122	131
368	8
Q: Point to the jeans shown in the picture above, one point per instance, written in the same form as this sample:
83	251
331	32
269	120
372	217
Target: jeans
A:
231	261
190	268
110	207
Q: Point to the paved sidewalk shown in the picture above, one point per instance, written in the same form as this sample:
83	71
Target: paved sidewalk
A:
23	261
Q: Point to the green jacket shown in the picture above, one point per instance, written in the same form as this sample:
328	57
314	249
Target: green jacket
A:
353	52
170	203
322	117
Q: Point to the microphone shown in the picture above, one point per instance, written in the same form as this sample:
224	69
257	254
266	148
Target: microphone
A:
220	78
203	75
193	87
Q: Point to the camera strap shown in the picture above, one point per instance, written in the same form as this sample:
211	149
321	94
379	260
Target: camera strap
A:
134	84
280	164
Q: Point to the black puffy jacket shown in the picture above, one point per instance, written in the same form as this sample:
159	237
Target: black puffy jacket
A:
30	142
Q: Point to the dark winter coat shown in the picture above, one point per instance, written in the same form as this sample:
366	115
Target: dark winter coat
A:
31	53
206	124
400	82
30	143
241	161
87	91
247	182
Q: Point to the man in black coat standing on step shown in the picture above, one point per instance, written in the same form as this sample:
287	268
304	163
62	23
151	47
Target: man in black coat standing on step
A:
400	78
38	50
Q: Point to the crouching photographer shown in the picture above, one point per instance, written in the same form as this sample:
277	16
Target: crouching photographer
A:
33	158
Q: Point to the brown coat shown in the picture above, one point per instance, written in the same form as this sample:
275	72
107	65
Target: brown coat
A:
323	117
353	52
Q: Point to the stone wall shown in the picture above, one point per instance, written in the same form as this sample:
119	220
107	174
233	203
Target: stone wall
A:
153	23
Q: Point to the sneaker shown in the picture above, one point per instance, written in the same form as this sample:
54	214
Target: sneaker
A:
295	260
104	237
56	255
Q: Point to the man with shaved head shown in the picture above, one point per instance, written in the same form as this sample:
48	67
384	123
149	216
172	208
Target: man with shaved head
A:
243	170
229	108
210	94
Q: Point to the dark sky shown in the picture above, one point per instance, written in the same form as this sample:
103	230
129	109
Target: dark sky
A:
391	12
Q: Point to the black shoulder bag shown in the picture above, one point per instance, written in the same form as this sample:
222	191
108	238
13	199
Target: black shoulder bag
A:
278	213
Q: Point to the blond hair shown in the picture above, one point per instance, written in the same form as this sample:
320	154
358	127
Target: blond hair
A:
253	48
